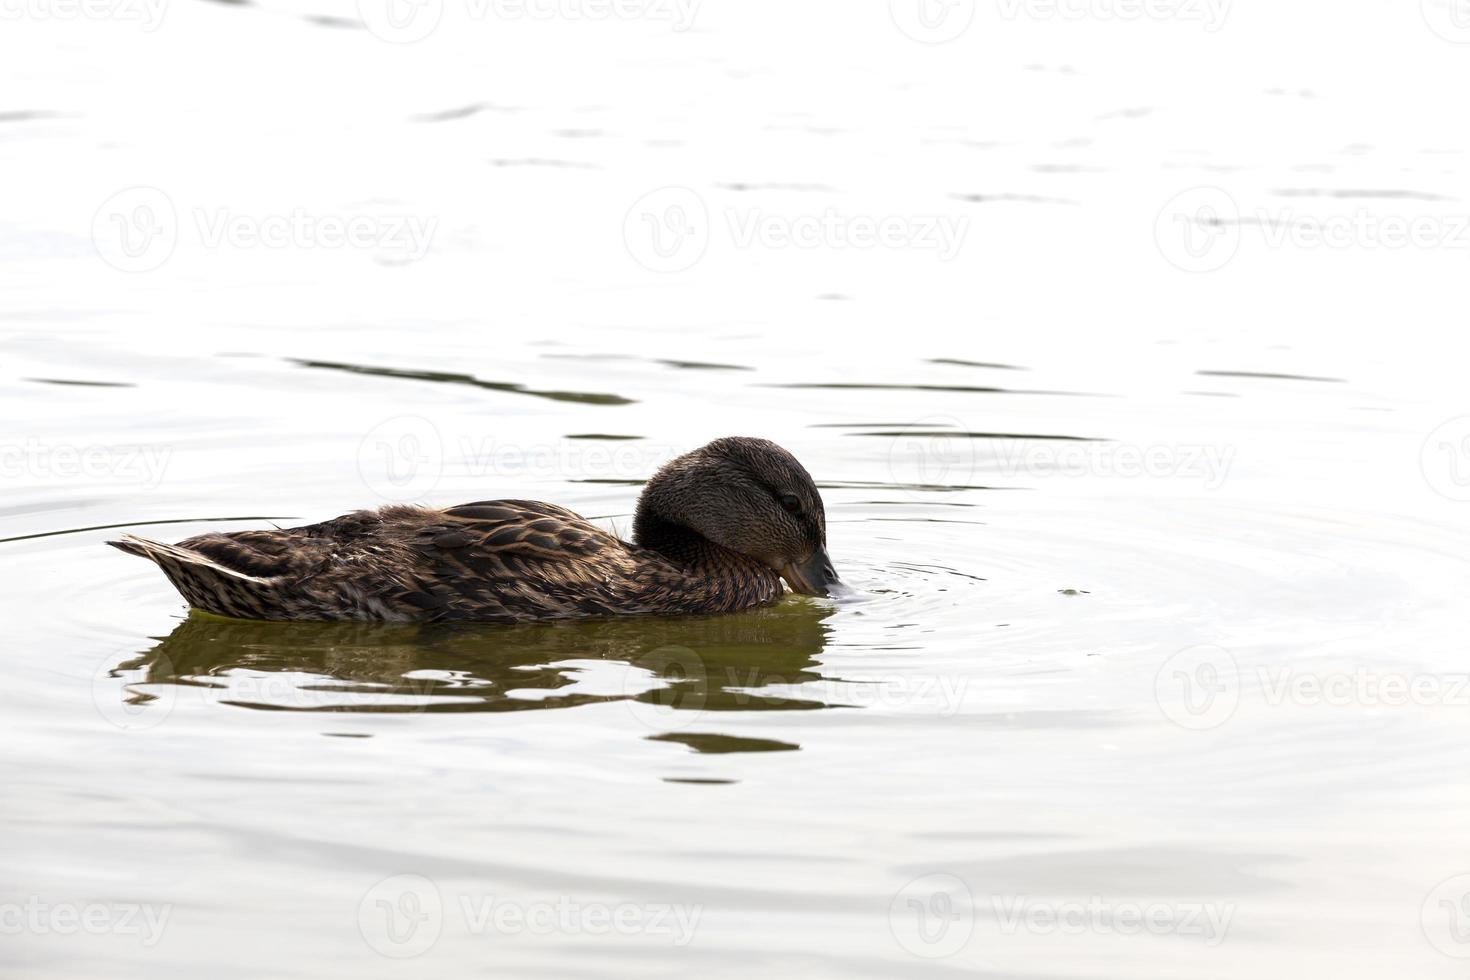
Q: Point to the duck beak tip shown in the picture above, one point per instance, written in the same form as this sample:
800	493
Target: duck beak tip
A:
815	576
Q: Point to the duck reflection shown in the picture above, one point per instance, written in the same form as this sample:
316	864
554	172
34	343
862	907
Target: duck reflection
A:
742	662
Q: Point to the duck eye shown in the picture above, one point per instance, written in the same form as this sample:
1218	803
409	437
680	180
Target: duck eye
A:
790	503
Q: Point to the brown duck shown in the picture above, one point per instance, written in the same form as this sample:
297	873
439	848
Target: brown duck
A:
716	531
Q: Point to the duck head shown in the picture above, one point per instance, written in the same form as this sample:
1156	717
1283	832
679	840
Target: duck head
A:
749	496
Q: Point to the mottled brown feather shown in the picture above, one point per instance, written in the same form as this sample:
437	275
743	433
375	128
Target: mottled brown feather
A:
492	561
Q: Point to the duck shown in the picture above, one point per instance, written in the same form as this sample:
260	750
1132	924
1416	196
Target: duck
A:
716	530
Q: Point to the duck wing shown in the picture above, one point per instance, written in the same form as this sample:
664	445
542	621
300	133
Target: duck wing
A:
523	560
504	561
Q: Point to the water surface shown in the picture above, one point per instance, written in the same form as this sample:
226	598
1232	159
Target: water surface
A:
1129	540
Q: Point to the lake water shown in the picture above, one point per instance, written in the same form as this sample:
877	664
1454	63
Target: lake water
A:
1140	432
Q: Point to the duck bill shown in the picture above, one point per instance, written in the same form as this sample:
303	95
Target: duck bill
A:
813	576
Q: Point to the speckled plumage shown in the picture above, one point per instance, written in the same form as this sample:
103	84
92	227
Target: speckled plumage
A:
505	561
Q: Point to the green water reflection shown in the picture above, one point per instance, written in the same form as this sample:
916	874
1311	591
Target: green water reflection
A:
718	663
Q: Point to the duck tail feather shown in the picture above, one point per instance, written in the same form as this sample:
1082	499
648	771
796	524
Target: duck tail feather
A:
203	582
164	555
